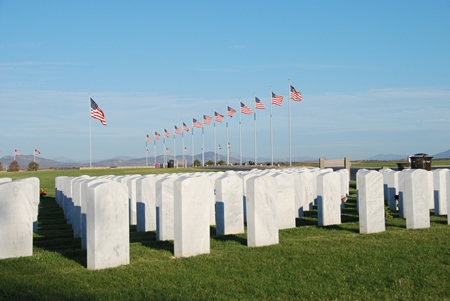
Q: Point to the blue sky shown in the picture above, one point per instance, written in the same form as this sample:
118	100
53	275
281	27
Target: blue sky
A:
374	75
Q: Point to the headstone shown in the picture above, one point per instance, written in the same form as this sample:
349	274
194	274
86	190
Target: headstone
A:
35	198
447	175
84	201
286	212
392	188
76	198
108	238
16	219
430	190
191	225
329	199
440	191
384	172
415	199
229	209
146	203
165	208
371	193
262	221
131	183
345	182
401	193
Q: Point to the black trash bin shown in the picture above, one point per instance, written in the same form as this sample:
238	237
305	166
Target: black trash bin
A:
421	161
170	164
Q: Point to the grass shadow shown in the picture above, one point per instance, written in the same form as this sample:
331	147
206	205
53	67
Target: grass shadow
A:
231	237
148	239
55	235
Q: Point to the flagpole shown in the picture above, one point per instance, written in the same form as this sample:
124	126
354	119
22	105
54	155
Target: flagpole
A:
240	133
228	150
34	156
154	147
146	152
90	133
182	144
203	141
254	123
14	155
192	147
215	153
164	145
290	130
174	153
271	131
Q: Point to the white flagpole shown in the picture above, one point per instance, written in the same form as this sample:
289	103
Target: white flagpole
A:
164	151
146	152
215	152
203	146
154	147
14	155
228	150
34	157
90	133
254	122
174	152
271	131
290	130
192	146
182	144
240	133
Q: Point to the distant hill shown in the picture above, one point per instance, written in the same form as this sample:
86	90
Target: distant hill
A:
443	155
387	157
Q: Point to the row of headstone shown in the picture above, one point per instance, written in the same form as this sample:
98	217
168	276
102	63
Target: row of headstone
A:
19	207
173	204
413	192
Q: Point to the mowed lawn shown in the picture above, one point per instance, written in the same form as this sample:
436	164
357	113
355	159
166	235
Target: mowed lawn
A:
310	262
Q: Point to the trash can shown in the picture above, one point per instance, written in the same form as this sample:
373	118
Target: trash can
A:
170	164
402	165
421	161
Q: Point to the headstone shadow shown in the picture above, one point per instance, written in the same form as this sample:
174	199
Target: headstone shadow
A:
148	239
55	235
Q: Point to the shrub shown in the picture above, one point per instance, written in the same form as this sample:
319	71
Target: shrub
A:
197	163
14	166
33	166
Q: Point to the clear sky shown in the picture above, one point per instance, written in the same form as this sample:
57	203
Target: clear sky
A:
375	75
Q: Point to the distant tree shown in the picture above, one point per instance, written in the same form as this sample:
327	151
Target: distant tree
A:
197	163
210	163
220	162
14	166
251	163
1	166
33	166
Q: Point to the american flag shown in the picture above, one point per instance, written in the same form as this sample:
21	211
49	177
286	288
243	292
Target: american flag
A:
295	95
177	130
207	119
148	138
220	147
36	152
17	152
185	127
196	123
166	133
277	99
97	113
157	136
231	111
218	117
229	145
148	152
259	104
167	150
245	109
186	150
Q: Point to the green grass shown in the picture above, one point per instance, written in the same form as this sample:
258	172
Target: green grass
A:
311	262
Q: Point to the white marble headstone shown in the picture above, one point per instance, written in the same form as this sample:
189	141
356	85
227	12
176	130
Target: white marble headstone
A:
229	209
329	199
191	224
371	202
286	212
440	191
108	238
16	219
415	199
262	220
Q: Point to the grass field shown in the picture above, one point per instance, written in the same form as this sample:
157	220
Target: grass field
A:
311	262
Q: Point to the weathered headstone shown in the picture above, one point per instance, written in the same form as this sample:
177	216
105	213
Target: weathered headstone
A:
108	237
262	221
146	203
392	189
165	208
371	210
35	198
